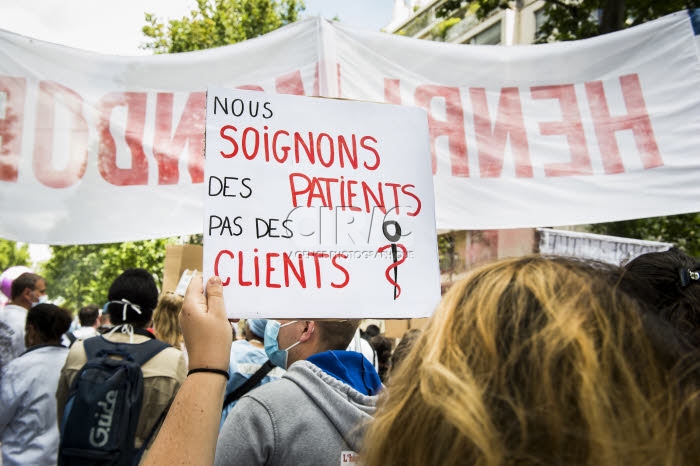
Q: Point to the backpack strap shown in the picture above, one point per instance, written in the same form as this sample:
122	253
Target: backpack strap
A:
249	384
140	352
71	338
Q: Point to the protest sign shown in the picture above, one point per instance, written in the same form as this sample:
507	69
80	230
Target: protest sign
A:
319	208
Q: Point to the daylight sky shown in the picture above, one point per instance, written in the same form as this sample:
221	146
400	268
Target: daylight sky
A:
115	27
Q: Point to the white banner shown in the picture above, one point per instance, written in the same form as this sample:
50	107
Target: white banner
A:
98	148
324	200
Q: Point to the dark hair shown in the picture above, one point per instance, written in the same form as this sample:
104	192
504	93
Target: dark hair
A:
21	283
382	345
337	334
654	279
49	320
404	347
372	331
138	287
88	315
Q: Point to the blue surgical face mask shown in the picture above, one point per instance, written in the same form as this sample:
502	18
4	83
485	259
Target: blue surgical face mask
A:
277	356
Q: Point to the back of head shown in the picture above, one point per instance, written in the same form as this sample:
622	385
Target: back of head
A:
133	295
88	315
166	317
531	360
49	321
21	283
372	331
404	347
336	334
663	281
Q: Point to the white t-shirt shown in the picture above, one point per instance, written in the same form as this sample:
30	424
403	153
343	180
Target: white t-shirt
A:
360	345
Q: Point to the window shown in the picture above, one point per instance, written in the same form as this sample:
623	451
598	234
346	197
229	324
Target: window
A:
489	36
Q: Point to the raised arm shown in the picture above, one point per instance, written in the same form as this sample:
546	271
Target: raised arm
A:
191	428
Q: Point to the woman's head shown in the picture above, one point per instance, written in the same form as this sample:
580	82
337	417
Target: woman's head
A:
132	297
665	282
165	319
531	360
45	324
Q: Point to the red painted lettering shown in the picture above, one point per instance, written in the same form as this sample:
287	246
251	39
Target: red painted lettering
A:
49	94
11	126
223	135
342	269
317	256
637	120
290	83
570	126
452	126
216	265
135	121
269	270
167	147
492	143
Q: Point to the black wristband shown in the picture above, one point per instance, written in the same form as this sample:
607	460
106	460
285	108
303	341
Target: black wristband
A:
207	369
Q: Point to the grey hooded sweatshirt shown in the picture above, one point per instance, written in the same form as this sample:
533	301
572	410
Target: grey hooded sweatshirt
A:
306	418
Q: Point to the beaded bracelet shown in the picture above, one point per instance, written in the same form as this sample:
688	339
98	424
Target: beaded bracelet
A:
207	369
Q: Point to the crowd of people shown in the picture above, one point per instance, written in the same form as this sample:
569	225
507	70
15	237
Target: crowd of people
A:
535	360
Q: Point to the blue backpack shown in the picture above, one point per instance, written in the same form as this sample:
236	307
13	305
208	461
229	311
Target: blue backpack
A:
102	412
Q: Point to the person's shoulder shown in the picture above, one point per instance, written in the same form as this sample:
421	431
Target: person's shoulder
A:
76	356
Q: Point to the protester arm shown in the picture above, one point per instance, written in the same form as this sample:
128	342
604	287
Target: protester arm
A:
191	428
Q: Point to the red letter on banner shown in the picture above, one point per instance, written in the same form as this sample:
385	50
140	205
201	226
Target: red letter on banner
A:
49	94
570	126
637	119
290	83
11	119
452	126
392	91
167	147
492	142
135	122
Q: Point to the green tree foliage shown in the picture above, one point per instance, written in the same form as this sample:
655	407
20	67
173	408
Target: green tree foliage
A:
580	19
82	274
11	254
682	230
219	22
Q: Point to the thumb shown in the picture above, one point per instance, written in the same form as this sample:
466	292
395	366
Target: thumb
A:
215	297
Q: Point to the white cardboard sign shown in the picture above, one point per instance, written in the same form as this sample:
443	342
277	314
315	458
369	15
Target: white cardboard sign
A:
319	208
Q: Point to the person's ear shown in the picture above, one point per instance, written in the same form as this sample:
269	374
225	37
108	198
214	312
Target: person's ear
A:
309	330
27	295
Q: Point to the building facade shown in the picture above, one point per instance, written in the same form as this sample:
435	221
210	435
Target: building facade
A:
457	22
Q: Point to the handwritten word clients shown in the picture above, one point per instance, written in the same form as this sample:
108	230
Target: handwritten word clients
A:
277	270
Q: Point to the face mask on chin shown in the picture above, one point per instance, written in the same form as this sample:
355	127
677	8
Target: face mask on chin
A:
277	356
42	300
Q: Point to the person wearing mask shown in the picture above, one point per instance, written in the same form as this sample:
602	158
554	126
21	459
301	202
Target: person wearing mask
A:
28	420
327	393
315	414
27	290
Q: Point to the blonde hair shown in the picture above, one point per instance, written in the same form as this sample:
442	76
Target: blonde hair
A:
534	361
165	319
